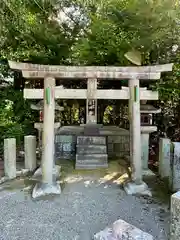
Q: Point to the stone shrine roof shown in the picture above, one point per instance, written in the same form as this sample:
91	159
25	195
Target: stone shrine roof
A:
147	108
40	106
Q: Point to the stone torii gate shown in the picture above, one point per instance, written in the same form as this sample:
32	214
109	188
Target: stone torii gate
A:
50	92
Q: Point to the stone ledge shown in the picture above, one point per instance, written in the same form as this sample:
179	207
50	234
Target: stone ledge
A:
19	173
92	157
122	230
91	167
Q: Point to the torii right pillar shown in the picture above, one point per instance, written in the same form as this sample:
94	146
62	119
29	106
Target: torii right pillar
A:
136	186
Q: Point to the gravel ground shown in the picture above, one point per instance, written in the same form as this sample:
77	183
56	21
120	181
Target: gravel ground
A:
85	207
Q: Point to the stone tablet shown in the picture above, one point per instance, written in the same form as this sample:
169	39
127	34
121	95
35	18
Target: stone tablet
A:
175	168
65	146
164	157
121	230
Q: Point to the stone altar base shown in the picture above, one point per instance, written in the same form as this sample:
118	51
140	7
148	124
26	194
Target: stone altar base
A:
142	189
44	189
122	230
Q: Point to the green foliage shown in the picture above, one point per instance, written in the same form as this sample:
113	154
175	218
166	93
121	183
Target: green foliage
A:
29	32
117	26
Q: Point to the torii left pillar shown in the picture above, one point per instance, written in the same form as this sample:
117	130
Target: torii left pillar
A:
48	184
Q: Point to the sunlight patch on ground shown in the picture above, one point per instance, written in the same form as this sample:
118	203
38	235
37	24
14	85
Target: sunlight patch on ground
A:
121	179
88	183
108	177
73	179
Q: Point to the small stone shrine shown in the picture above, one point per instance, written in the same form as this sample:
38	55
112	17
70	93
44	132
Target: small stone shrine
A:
39	126
147	112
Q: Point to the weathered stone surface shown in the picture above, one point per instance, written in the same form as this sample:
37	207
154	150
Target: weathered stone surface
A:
121	230
91	157
91	166
175	216
91	149
65	146
164	157
10	158
30	152
145	150
174	178
90	140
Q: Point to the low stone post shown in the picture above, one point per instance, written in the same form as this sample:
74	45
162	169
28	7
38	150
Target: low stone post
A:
175	217
10	158
30	152
164	157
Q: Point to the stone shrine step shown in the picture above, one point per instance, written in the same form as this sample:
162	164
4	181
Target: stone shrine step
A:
91	161
92	157
91	166
91	149
91	152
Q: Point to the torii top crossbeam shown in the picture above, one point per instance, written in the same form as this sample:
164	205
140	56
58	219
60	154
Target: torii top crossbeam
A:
41	71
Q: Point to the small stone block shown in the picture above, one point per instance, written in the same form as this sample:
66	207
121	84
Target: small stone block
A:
148	172
56	172
121	230
132	188
44	189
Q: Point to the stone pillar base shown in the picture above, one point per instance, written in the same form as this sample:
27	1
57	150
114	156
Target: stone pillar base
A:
56	172
148	173
44	189
142	189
